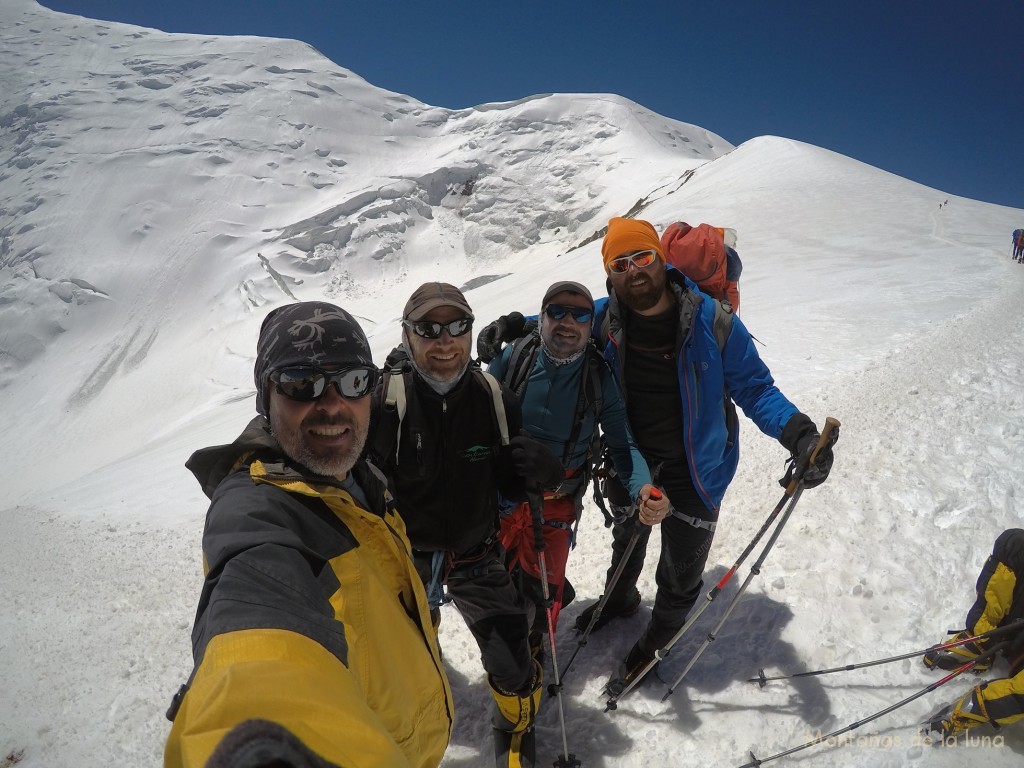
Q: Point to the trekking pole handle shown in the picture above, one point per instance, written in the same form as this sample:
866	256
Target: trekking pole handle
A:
655	494
831	423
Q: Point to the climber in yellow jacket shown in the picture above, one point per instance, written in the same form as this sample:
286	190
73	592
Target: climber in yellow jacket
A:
1000	601
313	639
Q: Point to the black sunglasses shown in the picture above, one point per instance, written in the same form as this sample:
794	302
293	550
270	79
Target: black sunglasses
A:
307	383
431	330
558	311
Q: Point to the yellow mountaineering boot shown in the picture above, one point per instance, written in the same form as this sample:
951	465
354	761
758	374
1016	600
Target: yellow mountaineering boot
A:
513	718
952	658
968	712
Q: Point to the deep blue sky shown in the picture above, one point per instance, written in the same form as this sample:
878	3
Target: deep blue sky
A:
932	91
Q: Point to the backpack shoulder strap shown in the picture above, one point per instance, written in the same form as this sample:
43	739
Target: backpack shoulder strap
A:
380	477
395	401
520	363
394	394
394	397
587	401
592	377
498	402
722	326
393	406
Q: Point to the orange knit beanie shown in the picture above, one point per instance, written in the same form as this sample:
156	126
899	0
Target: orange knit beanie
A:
628	235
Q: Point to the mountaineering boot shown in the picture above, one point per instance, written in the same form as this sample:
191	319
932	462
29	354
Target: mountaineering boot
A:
514	745
609	612
515	750
636	661
966	713
953	658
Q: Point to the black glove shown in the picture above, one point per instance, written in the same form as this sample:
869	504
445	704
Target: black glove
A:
505	328
255	743
535	463
396	357
800	437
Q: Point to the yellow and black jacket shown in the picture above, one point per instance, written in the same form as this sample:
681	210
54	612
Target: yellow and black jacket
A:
311	617
1000	599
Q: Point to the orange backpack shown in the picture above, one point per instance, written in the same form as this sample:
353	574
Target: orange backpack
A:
702	255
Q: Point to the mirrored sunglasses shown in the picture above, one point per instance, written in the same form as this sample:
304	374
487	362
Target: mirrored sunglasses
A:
431	330
558	311
307	383
640	260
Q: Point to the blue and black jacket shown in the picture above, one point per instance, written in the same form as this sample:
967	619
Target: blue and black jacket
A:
549	408
708	377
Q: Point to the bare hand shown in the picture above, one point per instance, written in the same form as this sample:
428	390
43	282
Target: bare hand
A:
654	506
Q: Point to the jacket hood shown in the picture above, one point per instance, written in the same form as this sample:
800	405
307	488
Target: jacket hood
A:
678	283
211	465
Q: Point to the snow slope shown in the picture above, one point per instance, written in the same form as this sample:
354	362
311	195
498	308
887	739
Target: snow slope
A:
160	193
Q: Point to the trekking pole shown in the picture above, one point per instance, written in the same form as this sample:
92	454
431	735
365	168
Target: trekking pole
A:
712	594
787	496
755	762
761	680
610	586
797	486
567	760
755	569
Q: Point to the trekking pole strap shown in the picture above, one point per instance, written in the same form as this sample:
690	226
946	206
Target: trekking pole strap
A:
536	501
825	439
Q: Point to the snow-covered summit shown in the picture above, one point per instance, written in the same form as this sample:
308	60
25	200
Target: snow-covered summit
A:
150	178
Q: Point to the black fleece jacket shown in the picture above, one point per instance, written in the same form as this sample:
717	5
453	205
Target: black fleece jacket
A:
447	466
